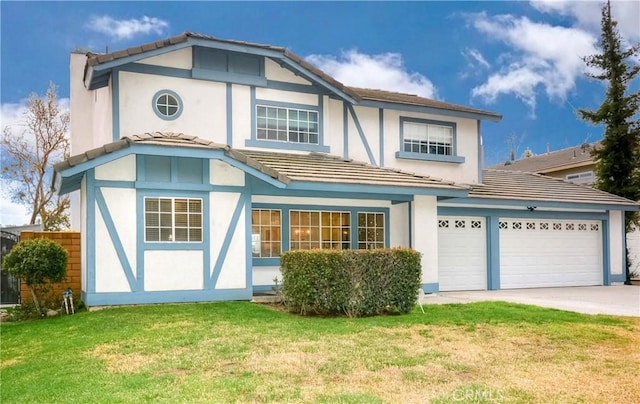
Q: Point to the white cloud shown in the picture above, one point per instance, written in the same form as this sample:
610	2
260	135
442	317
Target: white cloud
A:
542	56
385	71
126	29
588	14
13	214
475	58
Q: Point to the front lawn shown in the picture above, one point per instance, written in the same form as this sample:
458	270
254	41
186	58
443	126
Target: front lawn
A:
244	352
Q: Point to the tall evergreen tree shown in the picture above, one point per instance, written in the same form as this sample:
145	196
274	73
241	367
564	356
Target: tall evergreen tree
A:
618	159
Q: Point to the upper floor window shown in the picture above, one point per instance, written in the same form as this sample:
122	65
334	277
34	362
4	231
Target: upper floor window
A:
424	139
428	138
167	105
286	124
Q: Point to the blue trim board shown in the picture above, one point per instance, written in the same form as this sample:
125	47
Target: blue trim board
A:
381	134
228	77
91	231
538	204
229	114
156	70
480	151
493	252
115	240
263	288
172	296
453	158
363	137
248	261
606	278
254	112
224	249
114	184
275	144
374	189
115	104
429	157
321	122
430	287
536	214
345	131
294	87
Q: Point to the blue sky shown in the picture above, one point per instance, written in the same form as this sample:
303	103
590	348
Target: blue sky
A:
520	59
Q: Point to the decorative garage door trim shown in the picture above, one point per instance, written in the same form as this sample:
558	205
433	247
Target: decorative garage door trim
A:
462	253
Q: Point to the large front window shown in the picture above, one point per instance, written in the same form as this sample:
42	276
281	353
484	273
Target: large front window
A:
286	124
426	138
172	219
310	230
265	233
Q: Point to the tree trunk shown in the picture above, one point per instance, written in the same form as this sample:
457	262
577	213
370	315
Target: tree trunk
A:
35	299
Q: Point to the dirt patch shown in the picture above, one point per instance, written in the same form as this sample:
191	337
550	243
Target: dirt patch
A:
9	362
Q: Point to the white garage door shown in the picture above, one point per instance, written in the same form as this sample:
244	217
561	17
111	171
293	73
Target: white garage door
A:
548	253
462	253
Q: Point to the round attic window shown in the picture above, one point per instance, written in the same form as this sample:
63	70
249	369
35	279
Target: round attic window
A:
167	105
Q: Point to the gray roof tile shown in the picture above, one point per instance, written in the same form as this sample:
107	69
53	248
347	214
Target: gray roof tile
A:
517	185
552	161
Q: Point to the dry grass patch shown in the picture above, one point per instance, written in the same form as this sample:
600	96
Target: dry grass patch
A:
117	361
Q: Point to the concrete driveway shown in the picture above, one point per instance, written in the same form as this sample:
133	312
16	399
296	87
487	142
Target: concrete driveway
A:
620	300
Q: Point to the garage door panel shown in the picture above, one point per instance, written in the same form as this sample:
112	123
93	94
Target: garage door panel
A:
462	253
548	253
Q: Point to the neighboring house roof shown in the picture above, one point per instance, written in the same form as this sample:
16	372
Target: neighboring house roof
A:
523	186
572	157
98	67
285	168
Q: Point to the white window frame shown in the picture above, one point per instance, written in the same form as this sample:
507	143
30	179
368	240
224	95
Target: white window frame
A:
174	226
256	238
287	130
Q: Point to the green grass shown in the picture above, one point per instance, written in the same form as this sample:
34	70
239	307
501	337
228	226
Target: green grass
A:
244	352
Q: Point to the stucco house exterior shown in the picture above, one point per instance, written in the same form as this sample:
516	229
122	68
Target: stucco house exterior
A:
197	161
574	164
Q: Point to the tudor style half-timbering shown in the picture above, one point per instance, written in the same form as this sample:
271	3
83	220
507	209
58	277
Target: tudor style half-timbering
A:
198	161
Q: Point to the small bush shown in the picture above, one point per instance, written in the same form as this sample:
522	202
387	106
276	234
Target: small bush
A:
38	263
352	282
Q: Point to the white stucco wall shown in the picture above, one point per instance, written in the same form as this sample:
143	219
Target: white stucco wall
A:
122	169
273	71
264	276
109	275
221	173
204	106
369	121
334	126
81	106
121	202
616	250
241	99
233	271
180	59
286	96
399	223
173	270
102	130
425	235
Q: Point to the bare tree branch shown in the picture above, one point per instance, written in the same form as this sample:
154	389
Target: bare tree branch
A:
30	155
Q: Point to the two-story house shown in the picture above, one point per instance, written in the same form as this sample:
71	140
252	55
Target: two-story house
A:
199	161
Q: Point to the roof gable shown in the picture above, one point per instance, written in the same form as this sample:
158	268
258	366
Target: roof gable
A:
576	156
99	67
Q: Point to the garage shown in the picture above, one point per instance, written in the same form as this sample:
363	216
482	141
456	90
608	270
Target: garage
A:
462	253
550	253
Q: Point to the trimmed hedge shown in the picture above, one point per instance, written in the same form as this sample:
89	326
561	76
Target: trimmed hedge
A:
356	283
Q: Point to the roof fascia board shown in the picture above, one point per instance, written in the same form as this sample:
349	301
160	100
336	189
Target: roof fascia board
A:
544	204
139	56
428	110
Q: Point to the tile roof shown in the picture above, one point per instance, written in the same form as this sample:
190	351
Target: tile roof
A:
313	167
413	99
358	94
552	161
517	185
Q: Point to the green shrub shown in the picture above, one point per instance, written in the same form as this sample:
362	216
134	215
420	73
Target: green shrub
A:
352	282
38	263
